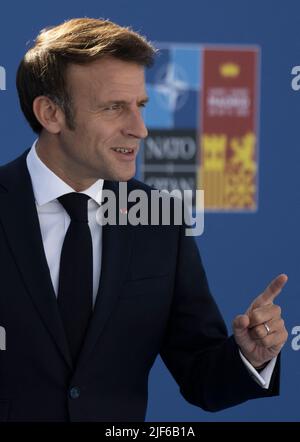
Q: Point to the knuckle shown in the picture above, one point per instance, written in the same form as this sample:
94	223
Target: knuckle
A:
259	332
277	310
256	317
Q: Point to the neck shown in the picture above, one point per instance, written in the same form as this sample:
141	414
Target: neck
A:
53	157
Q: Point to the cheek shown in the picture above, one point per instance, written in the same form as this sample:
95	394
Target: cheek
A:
98	134
95	137
104	132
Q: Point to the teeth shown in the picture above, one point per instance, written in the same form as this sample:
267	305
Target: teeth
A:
123	150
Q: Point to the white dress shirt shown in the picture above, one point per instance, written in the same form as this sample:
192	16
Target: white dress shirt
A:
54	223
54	220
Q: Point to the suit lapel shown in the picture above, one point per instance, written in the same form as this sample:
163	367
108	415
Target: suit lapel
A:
116	250
20	222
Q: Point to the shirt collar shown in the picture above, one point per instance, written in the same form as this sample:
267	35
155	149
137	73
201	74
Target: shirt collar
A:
47	186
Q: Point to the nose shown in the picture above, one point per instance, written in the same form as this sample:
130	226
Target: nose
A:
135	125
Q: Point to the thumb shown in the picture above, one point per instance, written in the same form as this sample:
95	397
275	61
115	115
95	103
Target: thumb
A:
240	324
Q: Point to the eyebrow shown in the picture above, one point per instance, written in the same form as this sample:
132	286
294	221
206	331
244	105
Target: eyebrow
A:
144	100
124	102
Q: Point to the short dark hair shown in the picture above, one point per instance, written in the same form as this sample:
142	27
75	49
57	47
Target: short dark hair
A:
42	71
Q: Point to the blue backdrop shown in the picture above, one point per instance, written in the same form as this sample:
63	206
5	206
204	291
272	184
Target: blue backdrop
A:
241	252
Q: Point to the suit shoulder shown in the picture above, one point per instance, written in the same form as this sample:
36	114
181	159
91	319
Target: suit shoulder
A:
13	172
14	164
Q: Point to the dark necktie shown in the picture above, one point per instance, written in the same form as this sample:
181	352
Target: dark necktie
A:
75	289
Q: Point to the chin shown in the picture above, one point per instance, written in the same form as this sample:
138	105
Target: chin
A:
125	176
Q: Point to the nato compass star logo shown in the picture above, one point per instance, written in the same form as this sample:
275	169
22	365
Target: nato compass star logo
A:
172	87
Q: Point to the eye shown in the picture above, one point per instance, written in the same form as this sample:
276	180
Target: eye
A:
113	107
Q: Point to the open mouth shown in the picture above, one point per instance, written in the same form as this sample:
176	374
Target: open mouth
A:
124	150
125	153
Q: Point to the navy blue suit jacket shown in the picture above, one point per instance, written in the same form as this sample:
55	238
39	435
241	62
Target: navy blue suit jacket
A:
153	299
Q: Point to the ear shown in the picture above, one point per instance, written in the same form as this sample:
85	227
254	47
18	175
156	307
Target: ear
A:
49	114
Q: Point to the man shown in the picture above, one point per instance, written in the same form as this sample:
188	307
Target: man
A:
87	308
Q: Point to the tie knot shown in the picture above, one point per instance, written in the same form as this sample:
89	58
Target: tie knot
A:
76	206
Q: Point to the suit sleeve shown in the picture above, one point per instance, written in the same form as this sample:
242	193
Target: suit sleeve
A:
204	361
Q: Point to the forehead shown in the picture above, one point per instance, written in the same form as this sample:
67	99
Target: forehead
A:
107	77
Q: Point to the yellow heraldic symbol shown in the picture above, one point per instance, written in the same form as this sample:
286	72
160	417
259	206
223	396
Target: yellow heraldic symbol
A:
240	191
229	70
243	150
213	166
240	187
214	152
228	171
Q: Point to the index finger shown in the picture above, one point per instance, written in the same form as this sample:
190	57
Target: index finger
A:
273	290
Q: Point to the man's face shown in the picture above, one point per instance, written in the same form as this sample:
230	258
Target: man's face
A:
107	96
